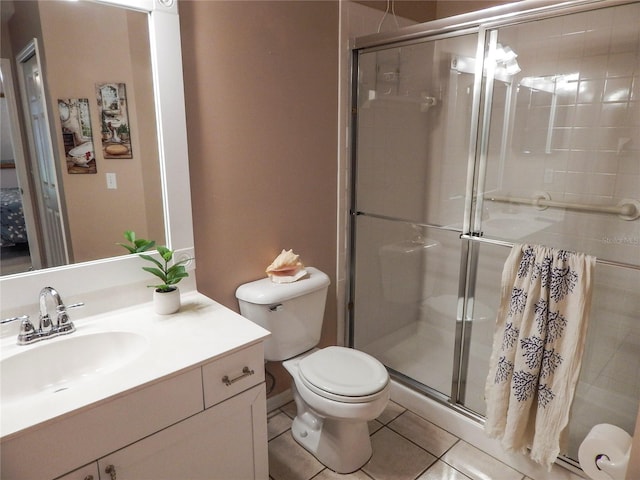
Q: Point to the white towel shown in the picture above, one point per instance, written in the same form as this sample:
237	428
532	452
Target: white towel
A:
537	348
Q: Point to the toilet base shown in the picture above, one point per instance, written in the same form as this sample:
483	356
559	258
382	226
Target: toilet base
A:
343	446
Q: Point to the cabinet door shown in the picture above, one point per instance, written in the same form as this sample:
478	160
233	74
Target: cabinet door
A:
225	442
88	472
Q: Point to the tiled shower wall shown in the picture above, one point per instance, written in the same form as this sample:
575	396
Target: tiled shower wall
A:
593	61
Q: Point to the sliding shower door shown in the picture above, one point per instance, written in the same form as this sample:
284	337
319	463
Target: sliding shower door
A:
413	150
526	130
562	168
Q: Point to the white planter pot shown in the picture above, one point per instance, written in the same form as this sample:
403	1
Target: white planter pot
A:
165	303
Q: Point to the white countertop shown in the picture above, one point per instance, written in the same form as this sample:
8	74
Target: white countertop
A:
201	331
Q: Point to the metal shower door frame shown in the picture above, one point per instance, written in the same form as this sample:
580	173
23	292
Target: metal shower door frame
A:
486	25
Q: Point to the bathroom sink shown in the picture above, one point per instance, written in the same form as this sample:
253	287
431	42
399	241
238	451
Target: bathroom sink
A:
60	364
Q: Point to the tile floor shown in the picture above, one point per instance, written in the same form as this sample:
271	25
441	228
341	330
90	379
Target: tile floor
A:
405	447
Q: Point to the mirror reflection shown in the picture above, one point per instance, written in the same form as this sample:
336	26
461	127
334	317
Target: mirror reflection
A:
79	139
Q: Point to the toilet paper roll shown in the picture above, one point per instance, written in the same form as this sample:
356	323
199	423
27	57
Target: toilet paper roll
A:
605	441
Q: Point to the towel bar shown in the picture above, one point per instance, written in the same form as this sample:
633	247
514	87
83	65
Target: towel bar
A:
503	243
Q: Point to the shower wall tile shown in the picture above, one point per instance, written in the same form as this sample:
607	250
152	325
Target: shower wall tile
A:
595	139
635	89
603	183
606	162
586	115
628	186
618	89
592	71
622	64
613	114
589	89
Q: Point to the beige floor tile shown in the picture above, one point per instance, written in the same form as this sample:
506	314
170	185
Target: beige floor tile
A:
289	461
478	465
390	412
396	458
327	474
276	424
290	409
442	471
374	426
432	438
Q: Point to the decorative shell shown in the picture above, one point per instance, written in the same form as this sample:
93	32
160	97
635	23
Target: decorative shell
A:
286	268
285	264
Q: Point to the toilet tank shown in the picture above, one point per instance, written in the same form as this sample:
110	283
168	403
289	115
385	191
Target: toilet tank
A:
292	312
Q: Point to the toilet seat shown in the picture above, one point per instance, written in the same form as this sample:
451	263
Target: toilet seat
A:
343	374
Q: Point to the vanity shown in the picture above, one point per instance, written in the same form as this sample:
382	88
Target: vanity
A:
183	398
129	394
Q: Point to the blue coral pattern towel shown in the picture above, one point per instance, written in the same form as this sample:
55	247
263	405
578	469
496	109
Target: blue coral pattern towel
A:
537	348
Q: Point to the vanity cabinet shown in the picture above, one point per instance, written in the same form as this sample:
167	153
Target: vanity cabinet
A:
226	441
219	443
209	422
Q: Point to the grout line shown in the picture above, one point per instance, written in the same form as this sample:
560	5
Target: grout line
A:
388	425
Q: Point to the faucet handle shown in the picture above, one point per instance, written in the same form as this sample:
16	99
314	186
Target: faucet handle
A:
13	319
64	324
27	330
74	305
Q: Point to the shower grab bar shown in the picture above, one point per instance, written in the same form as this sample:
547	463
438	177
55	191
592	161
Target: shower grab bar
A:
627	209
504	243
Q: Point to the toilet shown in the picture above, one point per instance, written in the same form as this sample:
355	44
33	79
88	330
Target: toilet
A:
337	390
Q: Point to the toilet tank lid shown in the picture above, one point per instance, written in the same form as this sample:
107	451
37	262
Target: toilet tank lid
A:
266	292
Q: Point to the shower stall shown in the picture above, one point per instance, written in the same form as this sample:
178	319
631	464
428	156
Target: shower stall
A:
471	134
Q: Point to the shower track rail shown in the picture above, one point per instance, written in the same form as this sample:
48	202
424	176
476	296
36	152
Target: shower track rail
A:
626	209
503	243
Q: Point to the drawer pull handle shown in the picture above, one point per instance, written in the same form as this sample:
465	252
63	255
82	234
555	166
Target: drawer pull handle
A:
246	371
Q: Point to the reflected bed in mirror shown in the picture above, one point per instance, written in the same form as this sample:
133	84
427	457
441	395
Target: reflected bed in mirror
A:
90	143
97	279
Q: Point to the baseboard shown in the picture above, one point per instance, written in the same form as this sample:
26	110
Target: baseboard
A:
276	401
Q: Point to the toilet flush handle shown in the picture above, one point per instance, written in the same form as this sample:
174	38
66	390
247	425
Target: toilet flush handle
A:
276	308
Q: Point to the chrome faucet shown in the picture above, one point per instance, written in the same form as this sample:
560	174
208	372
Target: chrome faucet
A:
45	318
47	328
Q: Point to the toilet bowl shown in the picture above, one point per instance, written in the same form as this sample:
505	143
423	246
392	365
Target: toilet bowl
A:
337	390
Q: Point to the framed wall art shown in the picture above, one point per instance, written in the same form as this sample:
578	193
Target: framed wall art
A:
77	135
114	117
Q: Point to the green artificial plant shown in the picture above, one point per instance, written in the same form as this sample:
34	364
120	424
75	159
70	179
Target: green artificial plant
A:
169	274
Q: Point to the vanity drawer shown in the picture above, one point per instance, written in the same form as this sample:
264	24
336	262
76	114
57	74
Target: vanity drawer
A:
232	374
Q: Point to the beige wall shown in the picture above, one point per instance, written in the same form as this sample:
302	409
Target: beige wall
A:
261	99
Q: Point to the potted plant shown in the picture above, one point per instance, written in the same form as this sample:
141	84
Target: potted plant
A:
123	132
166	295
106	134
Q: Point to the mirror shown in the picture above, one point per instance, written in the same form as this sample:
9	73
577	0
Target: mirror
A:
89	168
82	279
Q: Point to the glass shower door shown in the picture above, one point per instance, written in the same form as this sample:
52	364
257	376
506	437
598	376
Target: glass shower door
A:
456	161
565	131
414	118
